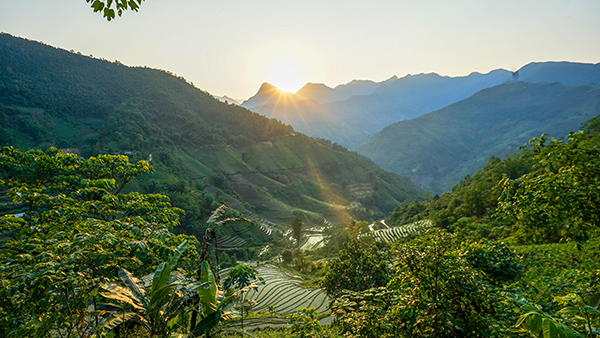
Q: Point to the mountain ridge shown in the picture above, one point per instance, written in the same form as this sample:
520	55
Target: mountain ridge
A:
353	120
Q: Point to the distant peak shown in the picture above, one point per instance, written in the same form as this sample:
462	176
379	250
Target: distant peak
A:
267	86
268	89
311	84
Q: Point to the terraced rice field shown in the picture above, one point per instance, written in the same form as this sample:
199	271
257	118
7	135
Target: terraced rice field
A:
394	234
281	295
232	242
283	292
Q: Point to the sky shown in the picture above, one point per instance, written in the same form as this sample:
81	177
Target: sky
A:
230	47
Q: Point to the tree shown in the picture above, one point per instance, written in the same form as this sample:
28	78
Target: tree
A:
447	296
297	231
243	278
216	219
434	292
78	231
106	7
305	323
212	302
359	266
559	200
159	310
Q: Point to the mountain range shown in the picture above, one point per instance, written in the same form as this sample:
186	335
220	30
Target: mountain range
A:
349	114
204	151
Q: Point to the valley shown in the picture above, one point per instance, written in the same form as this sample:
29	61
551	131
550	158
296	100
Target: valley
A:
134	204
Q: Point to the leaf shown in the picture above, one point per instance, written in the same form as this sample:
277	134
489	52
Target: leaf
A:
594	300
121	294
217	213
207	323
120	318
97	6
591	310
132	285
163	271
188	292
549	329
570	310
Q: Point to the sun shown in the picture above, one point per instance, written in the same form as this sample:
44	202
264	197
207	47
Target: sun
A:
285	76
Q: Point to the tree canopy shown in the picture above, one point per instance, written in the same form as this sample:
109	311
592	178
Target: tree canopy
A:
78	230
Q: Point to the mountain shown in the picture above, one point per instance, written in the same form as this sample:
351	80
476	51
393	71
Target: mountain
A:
349	114
318	92
228	99
568	73
438	149
204	151
271	95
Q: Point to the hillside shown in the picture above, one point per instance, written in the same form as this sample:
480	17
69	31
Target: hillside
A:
438	149
205	151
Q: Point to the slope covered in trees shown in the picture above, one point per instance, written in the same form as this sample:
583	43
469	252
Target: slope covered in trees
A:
546	193
204	151
438	149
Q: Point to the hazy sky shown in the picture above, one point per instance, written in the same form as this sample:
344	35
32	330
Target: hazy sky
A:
231	47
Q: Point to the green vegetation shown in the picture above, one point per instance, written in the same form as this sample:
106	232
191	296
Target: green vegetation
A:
359	266
158	310
546	193
79	230
449	285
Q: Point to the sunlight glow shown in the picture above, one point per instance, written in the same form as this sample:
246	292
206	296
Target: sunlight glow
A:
285	76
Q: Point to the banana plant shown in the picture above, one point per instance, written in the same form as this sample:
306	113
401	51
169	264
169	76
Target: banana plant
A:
158	310
213	304
582	312
540	324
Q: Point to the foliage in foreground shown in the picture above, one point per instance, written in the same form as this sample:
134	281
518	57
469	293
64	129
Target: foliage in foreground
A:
79	233
107	10
434	291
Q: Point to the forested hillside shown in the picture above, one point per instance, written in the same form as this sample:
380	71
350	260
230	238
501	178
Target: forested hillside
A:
204	151
548	192
438	149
